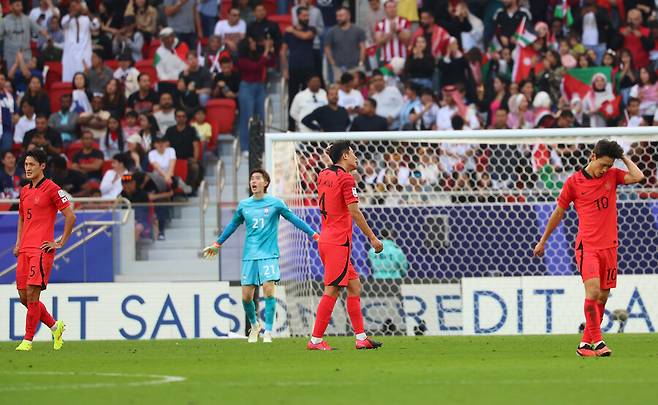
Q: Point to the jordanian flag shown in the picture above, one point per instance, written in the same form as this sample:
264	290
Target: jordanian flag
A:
525	60
579	80
563	12
523	37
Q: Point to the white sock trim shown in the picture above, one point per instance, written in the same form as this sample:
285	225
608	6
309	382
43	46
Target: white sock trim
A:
361	336
315	340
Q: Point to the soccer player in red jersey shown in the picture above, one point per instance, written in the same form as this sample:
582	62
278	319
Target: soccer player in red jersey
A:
338	207
35	245
593	190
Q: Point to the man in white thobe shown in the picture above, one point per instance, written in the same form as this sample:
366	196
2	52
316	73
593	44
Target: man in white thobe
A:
77	41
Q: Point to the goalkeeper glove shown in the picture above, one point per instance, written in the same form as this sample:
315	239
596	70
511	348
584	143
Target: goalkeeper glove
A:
210	252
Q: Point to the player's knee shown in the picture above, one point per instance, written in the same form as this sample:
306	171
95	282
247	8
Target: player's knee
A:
332	291
593	293
268	289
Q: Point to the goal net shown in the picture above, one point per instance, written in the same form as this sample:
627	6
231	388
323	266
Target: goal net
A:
461	213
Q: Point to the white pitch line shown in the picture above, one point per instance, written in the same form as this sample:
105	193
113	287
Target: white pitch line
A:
156	379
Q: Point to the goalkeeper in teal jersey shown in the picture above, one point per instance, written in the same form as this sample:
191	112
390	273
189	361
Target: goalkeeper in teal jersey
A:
260	259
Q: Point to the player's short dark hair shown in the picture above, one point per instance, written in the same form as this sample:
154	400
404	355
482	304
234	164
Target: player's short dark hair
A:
337	149
263	173
606	147
37	154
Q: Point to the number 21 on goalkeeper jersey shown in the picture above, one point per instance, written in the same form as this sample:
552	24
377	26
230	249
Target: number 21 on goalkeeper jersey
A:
336	190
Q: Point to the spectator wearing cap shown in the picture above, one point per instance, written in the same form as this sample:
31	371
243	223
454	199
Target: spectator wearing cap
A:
368	120
637	38
344	45
232	30
166	114
389	99
185	141
127	74
98	74
131	191
144	99
167	63
90	159
128	40
113	141
262	29
300	64
392	34
64	121
111	182
197	78
96	120
330	117
71	180
37	96
306	101
16	32
7	109
135	150
77	41
183	20
48	139
26	122
594	27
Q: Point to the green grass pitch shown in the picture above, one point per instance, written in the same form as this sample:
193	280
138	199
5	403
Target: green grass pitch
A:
407	370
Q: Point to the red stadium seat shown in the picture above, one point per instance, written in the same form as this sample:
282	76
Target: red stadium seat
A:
54	74
284	21
181	169
17	149
75	147
107	165
153	47
220	114
56	91
112	64
147	66
224	7
271	7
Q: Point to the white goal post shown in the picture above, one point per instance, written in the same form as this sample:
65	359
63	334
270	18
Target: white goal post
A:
462	211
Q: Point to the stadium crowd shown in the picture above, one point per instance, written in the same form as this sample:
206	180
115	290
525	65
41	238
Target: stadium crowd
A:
124	92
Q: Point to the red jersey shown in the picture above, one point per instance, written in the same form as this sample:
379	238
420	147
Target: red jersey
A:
595	201
336	190
38	206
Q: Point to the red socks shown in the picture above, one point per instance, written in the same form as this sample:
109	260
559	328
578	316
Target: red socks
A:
325	308
593	314
32	320
46	318
354	311
586	336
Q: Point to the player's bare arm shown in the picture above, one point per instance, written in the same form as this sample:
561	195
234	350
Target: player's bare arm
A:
19	232
69	221
553	222
634	175
361	222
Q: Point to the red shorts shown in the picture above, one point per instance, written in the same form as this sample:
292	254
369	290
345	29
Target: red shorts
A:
601	263
338	269
33	269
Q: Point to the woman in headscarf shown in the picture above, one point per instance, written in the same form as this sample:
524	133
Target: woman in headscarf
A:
600	93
